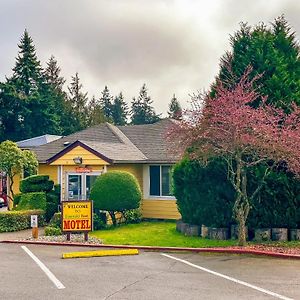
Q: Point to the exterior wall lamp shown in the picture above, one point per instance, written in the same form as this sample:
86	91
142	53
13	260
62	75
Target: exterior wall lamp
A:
77	160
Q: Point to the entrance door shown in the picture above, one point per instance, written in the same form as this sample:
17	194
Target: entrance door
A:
79	185
74	187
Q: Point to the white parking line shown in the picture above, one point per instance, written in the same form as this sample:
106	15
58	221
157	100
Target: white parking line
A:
50	275
229	278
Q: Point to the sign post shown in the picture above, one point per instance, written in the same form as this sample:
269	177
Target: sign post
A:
34	226
77	217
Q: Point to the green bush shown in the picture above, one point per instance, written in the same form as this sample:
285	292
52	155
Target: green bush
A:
36	183
133	216
116	191
50	231
203	193
278	204
52	201
19	220
55	220
205	196
32	201
98	222
17	199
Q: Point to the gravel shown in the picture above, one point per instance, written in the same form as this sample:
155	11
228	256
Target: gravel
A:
75	238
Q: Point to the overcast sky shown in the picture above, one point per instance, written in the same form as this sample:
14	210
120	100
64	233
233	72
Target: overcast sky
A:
172	46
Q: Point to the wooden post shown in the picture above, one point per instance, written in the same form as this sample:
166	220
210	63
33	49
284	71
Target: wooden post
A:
35	232
86	236
68	236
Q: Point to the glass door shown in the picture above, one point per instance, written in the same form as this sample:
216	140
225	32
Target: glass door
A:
79	185
74	187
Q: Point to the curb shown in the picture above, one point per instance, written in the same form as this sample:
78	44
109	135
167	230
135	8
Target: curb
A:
154	248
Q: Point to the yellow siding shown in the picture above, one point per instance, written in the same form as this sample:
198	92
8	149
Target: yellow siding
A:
160	209
156	209
88	158
45	169
134	169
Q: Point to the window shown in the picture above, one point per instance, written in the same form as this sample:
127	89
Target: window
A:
160	181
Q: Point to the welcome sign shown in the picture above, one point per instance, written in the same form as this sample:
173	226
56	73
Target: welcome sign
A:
77	216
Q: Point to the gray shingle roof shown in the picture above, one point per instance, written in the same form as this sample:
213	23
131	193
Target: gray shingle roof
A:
38	141
135	143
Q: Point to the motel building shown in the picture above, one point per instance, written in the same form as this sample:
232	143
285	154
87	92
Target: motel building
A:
76	160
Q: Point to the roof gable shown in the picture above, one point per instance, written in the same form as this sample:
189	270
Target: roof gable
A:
78	149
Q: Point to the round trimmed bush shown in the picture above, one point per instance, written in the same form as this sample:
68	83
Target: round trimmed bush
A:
36	183
116	191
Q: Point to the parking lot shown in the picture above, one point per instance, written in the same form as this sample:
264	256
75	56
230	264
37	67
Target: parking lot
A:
149	275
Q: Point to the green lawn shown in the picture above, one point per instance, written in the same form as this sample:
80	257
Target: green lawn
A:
154	234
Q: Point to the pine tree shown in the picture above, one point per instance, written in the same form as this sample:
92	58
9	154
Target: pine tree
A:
273	53
119	110
32	104
27	71
78	102
106	104
95	112
141	110
175	111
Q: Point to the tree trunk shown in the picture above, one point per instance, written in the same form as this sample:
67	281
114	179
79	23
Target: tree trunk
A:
113	217
241	206
241	229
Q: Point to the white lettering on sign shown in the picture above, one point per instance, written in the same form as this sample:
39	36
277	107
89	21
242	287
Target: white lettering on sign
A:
34	221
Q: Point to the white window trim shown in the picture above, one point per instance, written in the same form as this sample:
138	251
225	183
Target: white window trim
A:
146	183
83	182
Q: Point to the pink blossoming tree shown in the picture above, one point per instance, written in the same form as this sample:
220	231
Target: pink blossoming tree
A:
227	126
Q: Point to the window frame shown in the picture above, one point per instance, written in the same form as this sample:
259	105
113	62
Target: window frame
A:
160	197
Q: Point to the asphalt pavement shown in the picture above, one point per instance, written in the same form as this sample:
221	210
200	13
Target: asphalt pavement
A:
149	275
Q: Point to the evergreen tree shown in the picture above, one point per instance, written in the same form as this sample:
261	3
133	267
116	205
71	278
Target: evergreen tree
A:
78	102
106	103
271	52
95	113
26	97
175	111
62	107
141	110
27	71
119	110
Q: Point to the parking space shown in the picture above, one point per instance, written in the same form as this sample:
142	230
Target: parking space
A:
150	275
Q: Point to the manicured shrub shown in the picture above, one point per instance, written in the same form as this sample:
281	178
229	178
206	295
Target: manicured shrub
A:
203	193
116	191
52	201
17	199
19	220
52	231
36	183
32	201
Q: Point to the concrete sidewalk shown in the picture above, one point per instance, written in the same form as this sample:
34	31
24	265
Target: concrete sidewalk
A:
17	235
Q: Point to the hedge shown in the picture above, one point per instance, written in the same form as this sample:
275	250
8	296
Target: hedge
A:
205	196
203	193
32	201
19	220
36	183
